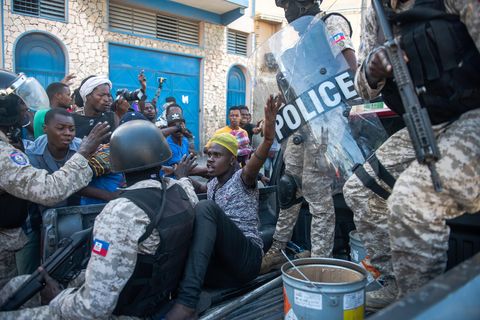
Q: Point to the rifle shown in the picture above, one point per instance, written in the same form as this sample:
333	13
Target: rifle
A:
416	118
63	265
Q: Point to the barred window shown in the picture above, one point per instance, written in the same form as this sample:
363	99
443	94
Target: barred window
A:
237	42
154	24
52	9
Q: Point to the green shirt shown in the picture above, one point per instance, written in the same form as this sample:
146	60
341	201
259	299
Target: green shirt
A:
38	121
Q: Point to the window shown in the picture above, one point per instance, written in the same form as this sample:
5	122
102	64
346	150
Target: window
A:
154	24
52	9
237	42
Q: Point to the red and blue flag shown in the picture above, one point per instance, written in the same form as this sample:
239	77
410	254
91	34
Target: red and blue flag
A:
100	247
338	37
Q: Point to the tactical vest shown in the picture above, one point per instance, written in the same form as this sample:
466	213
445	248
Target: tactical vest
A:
443	61
157	276
13	211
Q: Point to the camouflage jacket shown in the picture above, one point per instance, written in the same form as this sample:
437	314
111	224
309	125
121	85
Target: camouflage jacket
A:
19	178
116	232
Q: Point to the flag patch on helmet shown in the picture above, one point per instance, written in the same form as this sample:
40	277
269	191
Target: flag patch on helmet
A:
100	247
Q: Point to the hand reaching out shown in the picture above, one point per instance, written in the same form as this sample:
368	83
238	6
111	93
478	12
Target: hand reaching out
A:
185	166
90	143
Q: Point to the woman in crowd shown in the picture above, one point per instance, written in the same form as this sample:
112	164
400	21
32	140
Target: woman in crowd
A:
120	107
226	248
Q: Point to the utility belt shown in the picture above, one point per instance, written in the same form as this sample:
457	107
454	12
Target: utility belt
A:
380	171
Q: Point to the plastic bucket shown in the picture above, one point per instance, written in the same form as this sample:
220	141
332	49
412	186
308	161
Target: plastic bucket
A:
335	290
357	250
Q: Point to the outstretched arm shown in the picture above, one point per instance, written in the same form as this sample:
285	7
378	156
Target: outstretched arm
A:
251	169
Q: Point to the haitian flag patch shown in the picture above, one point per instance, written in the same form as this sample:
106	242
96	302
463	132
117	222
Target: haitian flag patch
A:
100	247
338	37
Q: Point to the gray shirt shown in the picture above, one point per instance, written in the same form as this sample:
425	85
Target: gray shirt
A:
240	204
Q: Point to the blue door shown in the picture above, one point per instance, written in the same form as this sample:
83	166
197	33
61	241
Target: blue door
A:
235	88
39	55
182	74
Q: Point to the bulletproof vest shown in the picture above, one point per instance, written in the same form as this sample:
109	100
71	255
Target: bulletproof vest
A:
13	211
157	276
442	59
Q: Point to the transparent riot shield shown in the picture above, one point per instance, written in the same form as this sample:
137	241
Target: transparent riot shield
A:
315	125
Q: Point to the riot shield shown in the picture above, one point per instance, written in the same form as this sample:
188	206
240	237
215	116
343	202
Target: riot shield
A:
302	62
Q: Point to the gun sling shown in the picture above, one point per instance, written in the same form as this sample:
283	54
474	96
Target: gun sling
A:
369	182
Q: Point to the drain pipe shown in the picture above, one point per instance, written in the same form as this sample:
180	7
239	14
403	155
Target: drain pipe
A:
237	303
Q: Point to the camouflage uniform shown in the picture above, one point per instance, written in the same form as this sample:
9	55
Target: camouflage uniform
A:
301	162
406	236
120	224
19	178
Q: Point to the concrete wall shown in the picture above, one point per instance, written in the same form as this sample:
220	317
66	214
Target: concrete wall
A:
85	37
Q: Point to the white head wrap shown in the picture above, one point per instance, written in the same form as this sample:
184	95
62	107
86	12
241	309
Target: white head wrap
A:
91	84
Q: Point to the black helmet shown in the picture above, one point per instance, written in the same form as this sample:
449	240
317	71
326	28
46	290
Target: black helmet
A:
299	8
138	145
14	87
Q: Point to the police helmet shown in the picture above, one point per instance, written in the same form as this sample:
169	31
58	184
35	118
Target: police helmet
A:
14	87
295	9
138	145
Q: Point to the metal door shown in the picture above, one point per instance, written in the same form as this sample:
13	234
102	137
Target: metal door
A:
182	74
39	55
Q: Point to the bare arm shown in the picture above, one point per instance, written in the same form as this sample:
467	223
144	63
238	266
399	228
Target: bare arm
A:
251	169
349	55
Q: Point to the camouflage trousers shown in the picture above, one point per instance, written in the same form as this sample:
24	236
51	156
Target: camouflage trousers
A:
314	180
33	309
407	236
11	240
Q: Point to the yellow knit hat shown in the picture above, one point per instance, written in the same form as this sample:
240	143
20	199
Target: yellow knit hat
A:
225	140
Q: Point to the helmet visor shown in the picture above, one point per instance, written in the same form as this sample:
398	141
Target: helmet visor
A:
33	94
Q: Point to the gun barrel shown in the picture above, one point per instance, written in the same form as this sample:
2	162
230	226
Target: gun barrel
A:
55	262
416	118
382	20
26	291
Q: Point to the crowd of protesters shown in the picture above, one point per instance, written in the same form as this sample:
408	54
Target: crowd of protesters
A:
51	137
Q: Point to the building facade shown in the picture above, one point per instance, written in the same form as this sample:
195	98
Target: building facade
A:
200	47
187	42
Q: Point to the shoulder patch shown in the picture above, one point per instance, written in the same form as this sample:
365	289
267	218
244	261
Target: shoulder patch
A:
18	158
338	37
100	247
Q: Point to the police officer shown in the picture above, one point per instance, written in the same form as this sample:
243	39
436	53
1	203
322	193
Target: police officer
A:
140	240
303	155
404	232
19	181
